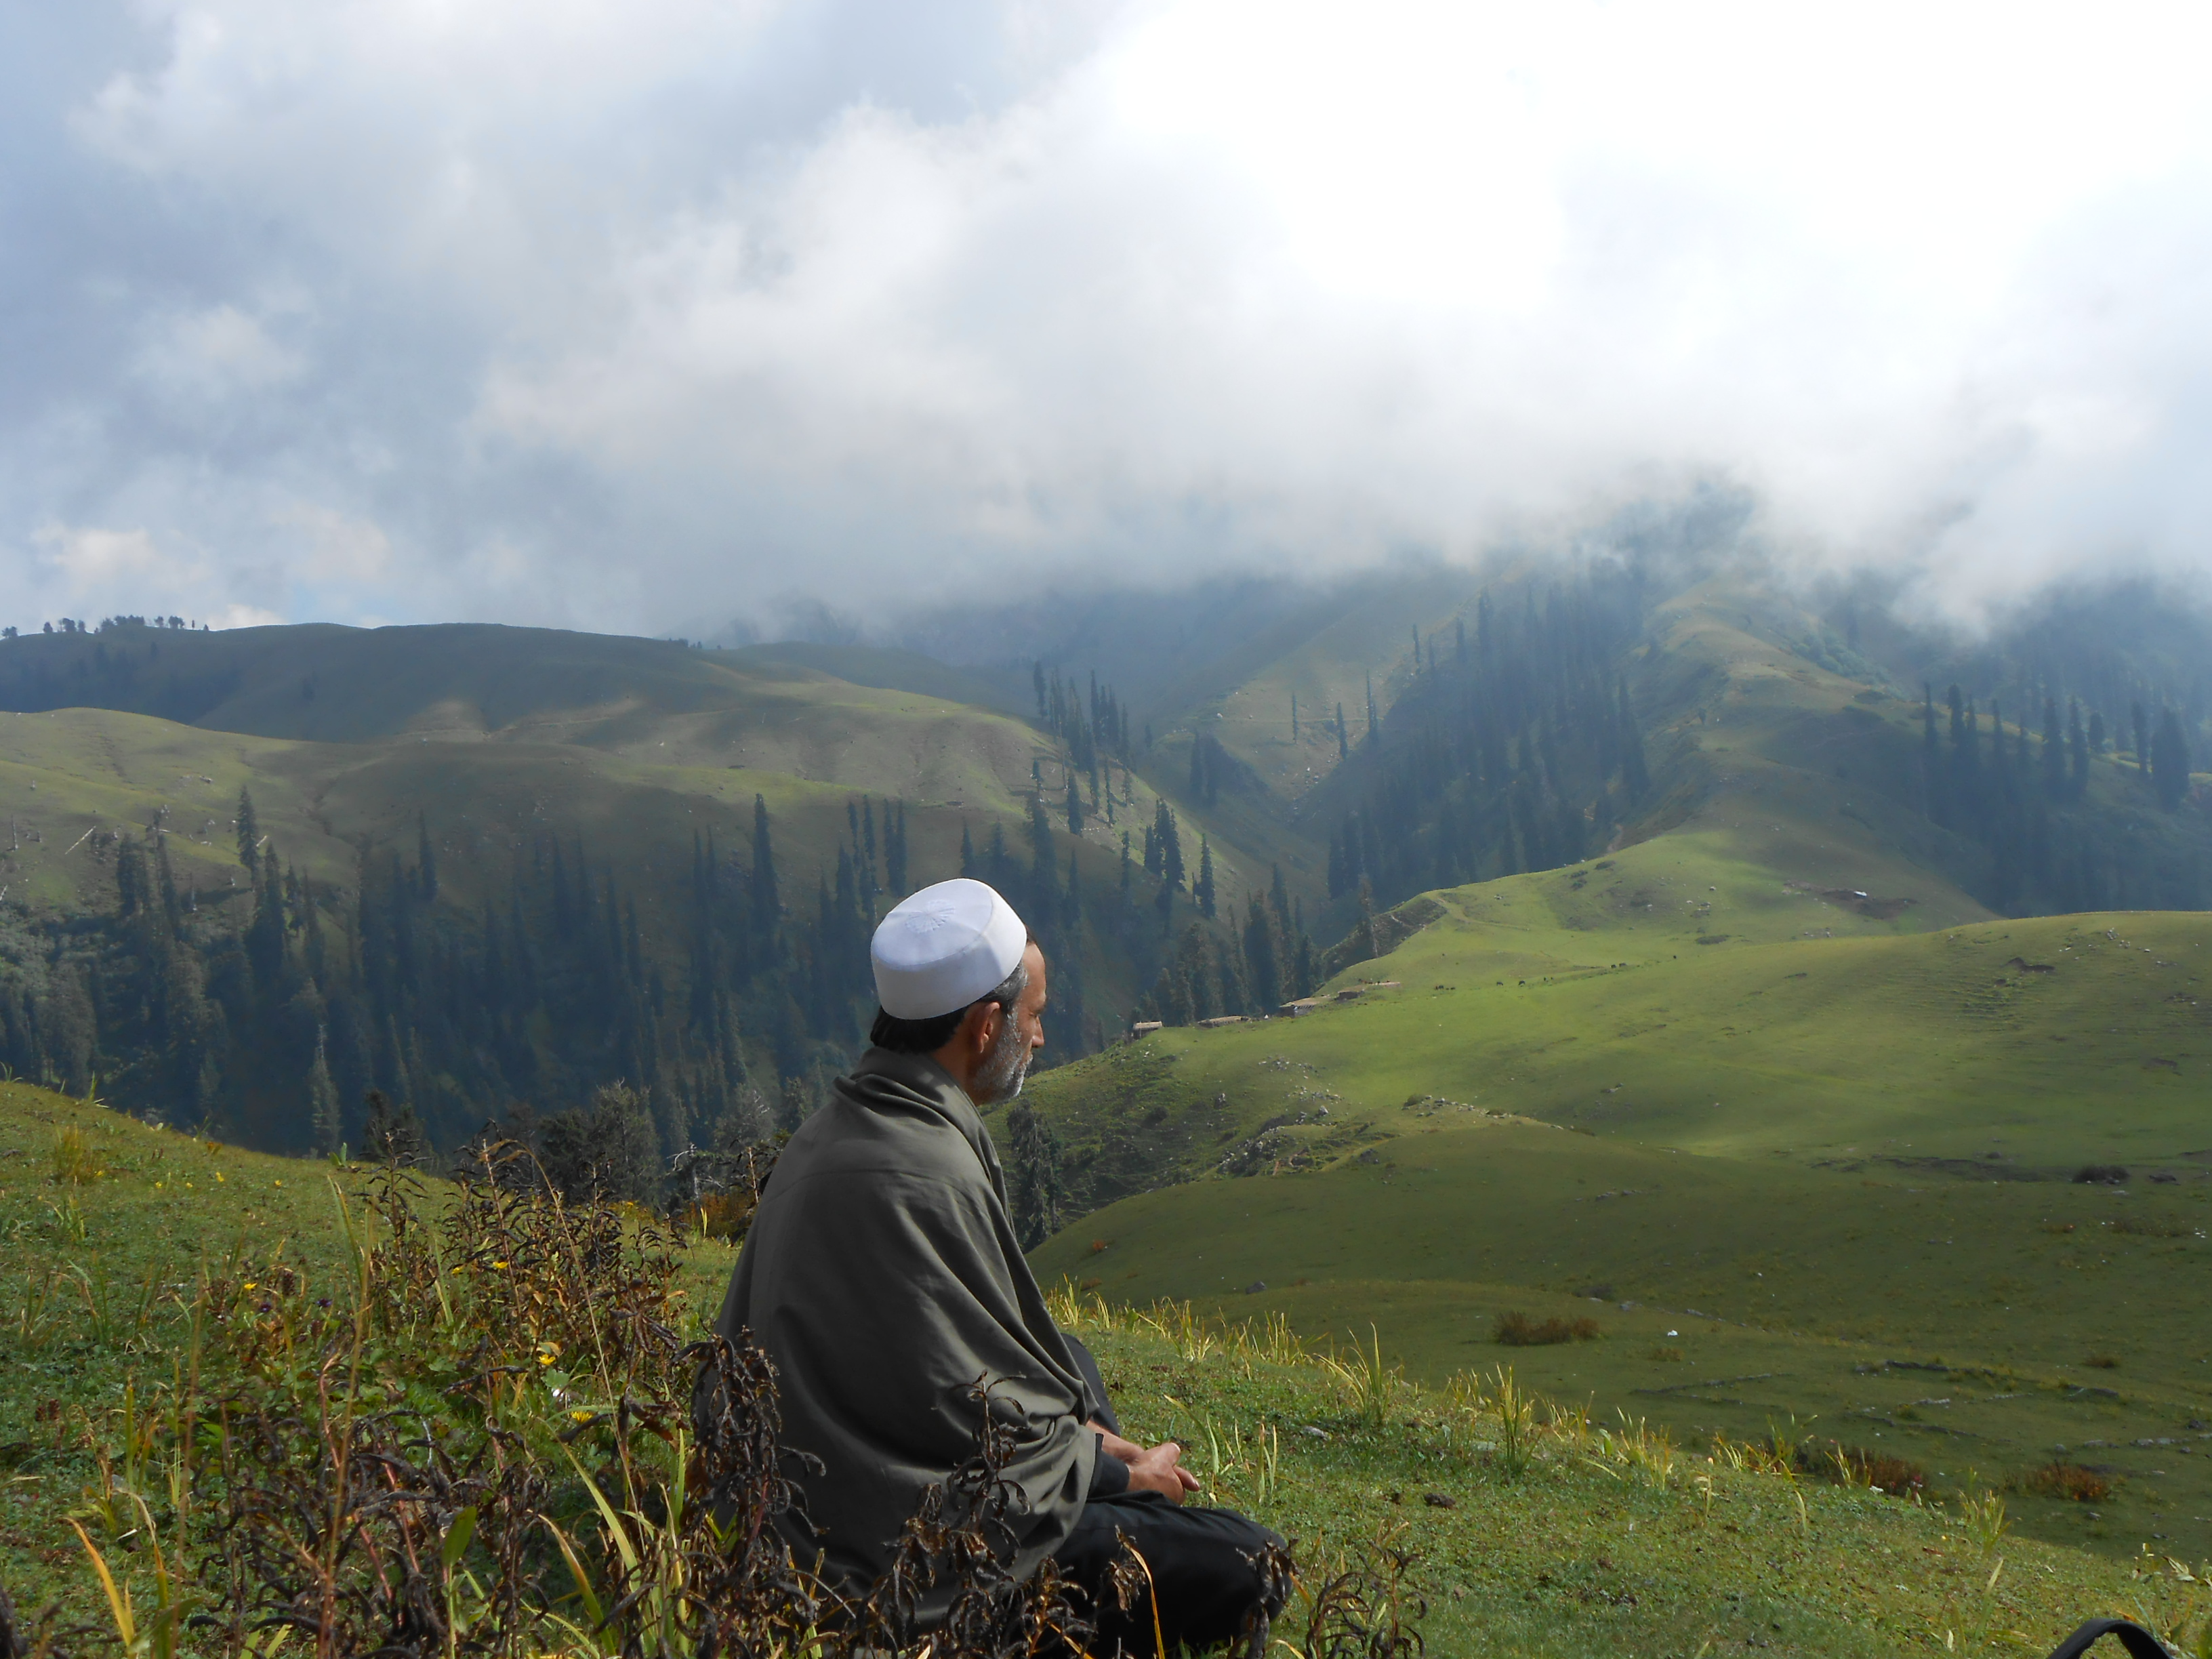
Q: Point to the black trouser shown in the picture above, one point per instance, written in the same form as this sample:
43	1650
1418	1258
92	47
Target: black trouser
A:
1204	1565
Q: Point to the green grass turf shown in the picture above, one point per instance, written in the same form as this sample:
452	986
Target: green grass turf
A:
1586	1552
1842	1150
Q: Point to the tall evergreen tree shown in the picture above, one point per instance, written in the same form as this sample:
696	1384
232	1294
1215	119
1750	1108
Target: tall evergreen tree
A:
1343	744
1203	891
323	1100
249	833
2169	760
1036	1192
895	846
1262	954
767	907
2054	753
1633	771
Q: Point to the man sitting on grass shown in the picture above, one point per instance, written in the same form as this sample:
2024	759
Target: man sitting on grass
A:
882	1276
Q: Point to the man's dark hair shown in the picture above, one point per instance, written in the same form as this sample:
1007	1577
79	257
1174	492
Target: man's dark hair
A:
926	1036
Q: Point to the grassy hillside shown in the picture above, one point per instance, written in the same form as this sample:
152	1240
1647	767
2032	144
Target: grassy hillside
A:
486	806
632	743
1842	1151
1590	1538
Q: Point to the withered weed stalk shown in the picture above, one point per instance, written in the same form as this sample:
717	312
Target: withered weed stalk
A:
1356	1609
488	1442
75	1164
1371	1384
1982	1520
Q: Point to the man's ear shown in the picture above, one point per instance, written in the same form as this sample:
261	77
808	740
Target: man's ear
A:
979	1031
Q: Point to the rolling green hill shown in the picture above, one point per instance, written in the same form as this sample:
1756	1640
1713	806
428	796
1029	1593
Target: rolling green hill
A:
1851	1156
502	786
1604	1542
1767	1059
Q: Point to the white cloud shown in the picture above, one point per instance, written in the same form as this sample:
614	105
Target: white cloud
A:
336	549
627	316
211	354
88	559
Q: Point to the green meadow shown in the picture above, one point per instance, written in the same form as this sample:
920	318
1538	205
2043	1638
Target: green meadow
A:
1800	1154
1515	1528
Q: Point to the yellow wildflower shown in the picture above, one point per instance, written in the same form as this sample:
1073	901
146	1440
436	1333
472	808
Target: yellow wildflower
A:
499	1266
581	1416
251	1285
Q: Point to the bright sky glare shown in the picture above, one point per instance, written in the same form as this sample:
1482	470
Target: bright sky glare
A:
653	316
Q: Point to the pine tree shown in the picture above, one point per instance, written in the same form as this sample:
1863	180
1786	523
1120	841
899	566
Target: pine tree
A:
2170	760
1074	808
895	846
1203	892
249	833
1343	744
1262	954
767	907
1931	757
323	1100
2077	750
1633	772
1036	1190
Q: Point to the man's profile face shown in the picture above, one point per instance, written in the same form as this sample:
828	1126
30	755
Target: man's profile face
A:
1005	1065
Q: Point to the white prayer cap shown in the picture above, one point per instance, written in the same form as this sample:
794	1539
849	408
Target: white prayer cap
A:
940	948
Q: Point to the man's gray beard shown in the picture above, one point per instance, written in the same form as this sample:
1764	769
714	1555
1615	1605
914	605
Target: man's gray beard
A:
998	1078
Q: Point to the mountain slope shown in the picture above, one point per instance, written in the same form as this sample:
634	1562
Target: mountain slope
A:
1851	1157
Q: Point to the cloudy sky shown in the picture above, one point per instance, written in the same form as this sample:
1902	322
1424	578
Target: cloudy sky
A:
649	315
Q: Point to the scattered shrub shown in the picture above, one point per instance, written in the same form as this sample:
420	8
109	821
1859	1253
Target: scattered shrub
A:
727	1215
1855	1466
2103	1361
1520	1330
2142	1226
2101	1174
1662	1352
2070	1481
561	1468
75	1164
